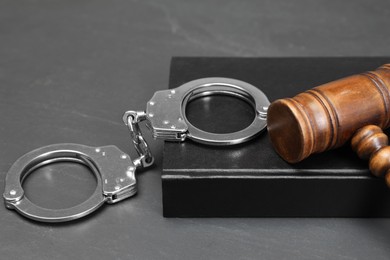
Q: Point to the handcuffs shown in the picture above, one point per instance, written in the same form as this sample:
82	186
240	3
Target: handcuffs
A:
114	170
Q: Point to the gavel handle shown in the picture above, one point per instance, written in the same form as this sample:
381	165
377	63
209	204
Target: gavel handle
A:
371	143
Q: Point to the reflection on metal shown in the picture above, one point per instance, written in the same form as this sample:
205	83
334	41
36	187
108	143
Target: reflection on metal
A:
113	169
165	113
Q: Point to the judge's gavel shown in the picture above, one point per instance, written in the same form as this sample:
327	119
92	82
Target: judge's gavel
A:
329	115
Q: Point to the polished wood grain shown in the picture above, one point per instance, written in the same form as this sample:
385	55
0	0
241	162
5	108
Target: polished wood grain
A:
367	140
327	116
371	143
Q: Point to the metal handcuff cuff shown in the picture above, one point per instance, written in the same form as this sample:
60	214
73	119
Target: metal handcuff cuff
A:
114	170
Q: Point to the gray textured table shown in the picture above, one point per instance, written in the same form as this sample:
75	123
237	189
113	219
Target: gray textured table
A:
69	69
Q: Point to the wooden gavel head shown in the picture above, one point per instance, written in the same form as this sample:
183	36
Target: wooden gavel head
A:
327	116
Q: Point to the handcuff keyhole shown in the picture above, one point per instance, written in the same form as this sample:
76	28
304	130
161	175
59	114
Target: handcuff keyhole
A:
220	114
59	185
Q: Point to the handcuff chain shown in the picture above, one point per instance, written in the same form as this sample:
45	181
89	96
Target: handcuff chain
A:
132	120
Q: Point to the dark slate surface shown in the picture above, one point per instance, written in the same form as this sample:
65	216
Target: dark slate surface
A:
68	70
